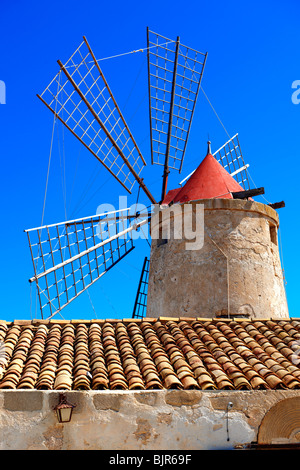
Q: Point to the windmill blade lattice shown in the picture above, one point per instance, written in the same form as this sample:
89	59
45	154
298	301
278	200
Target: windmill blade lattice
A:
174	77
81	99
70	256
231	158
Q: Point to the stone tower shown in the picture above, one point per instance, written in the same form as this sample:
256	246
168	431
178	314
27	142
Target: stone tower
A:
232	267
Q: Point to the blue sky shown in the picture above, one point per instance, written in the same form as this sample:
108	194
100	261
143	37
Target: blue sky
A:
253	59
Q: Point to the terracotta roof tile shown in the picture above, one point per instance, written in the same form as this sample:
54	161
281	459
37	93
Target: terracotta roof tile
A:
151	354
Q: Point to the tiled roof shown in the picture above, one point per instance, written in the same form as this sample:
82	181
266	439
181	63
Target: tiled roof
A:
151	354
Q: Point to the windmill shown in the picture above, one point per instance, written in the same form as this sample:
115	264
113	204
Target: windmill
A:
68	257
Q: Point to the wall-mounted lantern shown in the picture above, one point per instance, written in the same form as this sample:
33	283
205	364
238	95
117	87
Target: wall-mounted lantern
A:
64	409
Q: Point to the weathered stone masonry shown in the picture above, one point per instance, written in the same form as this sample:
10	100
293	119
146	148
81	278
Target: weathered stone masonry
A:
165	419
238	268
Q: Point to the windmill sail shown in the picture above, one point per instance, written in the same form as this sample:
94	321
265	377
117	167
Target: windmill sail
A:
174	77
70	256
81	99
231	158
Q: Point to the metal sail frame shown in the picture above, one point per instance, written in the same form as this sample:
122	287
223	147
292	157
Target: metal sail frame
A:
174	75
67	257
231	158
80	97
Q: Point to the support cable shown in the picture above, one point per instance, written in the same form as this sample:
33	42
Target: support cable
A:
268	202
49	159
215	112
46	185
126	53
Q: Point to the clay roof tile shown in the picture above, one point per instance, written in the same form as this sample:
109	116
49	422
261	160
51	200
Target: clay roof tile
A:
151	354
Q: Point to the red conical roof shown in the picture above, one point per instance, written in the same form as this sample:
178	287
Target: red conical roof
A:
209	180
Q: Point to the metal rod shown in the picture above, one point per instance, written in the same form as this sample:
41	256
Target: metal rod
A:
171	40
42	256
61	255
136	176
80	265
149	93
193	110
224	144
155	54
113	142
96	279
166	165
112	97
85	252
93	236
186	98
214	154
64	262
161	68
239	170
88	218
83	143
34	267
56	284
237	156
238	142
232	160
96	117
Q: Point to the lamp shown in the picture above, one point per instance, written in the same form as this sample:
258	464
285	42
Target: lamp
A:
64	409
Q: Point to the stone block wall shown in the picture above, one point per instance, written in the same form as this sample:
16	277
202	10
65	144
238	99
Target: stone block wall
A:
139	420
236	269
